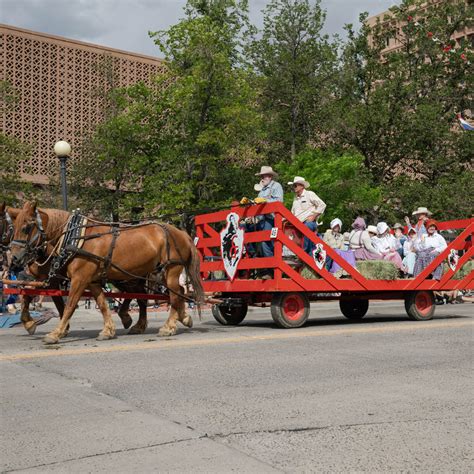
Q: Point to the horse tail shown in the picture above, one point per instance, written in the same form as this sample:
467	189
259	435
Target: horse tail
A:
193	270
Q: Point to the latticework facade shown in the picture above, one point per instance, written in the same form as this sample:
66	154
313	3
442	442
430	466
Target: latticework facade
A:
60	84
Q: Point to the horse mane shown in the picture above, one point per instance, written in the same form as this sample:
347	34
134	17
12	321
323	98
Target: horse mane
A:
56	221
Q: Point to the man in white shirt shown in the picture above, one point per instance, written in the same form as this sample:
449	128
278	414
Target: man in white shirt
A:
307	207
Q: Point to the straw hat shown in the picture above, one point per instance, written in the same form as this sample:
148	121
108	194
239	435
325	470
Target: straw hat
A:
397	226
421	210
299	180
266	170
372	229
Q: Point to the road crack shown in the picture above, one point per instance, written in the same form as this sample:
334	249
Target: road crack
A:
327	427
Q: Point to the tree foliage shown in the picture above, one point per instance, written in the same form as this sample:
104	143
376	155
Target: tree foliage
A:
295	63
398	107
372	129
340	180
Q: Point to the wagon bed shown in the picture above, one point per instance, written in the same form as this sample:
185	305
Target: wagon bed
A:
289	293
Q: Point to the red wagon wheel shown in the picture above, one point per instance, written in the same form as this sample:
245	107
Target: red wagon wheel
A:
290	310
420	305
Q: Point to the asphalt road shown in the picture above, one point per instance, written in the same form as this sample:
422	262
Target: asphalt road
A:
385	394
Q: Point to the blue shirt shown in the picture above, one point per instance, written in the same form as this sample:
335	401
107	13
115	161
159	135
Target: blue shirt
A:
272	192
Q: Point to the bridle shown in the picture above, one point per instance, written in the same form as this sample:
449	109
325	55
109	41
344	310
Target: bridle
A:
7	231
34	244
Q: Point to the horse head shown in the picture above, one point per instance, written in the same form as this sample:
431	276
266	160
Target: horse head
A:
7	222
29	236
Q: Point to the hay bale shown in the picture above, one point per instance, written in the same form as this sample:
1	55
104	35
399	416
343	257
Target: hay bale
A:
370	269
309	273
377	269
467	268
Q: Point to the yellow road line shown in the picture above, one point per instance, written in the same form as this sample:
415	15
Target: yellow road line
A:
178	343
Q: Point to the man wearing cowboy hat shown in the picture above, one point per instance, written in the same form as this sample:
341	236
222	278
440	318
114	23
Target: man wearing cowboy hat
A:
307	207
423	214
269	190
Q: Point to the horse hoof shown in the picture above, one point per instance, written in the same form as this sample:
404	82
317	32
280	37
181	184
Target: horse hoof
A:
50	339
165	332
188	321
126	321
105	337
136	330
31	328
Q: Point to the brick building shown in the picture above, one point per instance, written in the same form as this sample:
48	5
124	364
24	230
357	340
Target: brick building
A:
59	82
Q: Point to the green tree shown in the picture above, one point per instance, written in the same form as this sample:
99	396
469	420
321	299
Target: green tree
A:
204	132
340	180
296	64
398	108
105	178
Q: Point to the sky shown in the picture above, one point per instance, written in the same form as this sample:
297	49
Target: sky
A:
124	24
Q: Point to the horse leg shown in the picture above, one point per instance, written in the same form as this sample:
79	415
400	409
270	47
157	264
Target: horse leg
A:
75	293
142	323
59	304
28	322
176	302
108	332
124	314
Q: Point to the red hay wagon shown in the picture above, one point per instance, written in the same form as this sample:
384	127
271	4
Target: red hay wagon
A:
289	293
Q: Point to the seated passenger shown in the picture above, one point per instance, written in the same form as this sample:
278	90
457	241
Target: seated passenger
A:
428	246
360	242
409	252
333	236
387	245
335	239
400	236
271	191
307	207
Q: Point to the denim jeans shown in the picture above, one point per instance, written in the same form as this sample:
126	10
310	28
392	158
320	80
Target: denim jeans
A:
266	223
308	245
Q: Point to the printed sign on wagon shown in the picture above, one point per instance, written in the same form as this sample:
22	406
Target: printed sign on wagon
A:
232	244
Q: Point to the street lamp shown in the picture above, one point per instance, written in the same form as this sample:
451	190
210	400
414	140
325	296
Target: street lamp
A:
63	150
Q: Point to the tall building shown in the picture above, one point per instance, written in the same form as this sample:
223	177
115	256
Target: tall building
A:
394	40
60	84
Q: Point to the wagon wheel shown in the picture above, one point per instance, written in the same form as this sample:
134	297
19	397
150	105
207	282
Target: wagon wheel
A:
290	310
420	305
355	309
229	316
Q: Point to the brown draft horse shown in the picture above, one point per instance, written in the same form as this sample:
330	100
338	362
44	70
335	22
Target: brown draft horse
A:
7	225
40	271
138	251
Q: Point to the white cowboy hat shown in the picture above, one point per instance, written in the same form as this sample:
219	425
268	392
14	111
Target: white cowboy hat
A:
372	229
382	227
299	180
335	222
397	226
266	170
421	210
